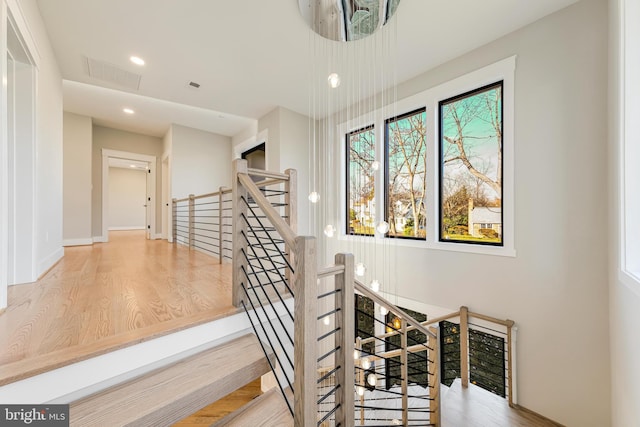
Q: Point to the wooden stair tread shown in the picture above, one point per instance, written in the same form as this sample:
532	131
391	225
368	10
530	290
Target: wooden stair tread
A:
477	407
169	394
268	410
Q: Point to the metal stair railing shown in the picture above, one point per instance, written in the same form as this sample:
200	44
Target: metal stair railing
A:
475	348
397	373
203	223
312	337
263	244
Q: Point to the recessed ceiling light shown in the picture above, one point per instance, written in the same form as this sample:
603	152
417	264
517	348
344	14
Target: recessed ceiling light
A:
132	166
128	110
137	60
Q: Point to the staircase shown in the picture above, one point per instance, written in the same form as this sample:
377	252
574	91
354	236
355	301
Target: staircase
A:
266	410
167	395
325	375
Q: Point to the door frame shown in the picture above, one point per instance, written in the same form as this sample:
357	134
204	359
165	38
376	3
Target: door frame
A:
248	144
12	19
166	207
151	189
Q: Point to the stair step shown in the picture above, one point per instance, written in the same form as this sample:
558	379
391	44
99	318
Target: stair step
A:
169	394
268	410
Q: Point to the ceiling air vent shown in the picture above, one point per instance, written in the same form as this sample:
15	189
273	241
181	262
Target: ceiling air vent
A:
112	74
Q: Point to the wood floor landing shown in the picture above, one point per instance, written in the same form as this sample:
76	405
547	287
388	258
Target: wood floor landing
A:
476	407
108	296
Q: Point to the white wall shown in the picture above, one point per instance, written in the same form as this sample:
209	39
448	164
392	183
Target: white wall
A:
48	145
270	123
4	164
45	184
625	351
556	287
167	142
288	147
245	134
77	180
119	140
199	161
127	195
624	297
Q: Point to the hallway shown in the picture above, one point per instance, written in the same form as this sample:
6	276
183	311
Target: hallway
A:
107	296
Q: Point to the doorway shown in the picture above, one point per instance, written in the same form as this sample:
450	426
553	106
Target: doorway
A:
150	205
256	159
21	154
127	208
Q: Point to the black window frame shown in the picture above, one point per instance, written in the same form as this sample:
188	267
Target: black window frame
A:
386	172
347	146
500	84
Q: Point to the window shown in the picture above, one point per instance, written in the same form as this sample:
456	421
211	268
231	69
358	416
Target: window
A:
629	150
434	170
360	181
471	167
406	175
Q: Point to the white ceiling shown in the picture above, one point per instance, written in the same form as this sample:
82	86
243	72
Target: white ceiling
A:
249	56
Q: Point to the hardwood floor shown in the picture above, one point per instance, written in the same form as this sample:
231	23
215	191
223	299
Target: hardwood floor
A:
107	296
476	407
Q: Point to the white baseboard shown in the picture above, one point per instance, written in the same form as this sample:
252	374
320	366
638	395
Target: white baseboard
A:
100	239
50	260
77	242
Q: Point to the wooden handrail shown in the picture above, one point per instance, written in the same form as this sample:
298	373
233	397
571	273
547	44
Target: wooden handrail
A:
415	348
411	328
464	314
507	323
267	174
383	302
276	220
268	182
441	318
330	271
204	196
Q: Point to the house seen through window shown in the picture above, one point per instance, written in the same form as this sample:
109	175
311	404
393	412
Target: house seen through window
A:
449	185
361	156
471	167
406	175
